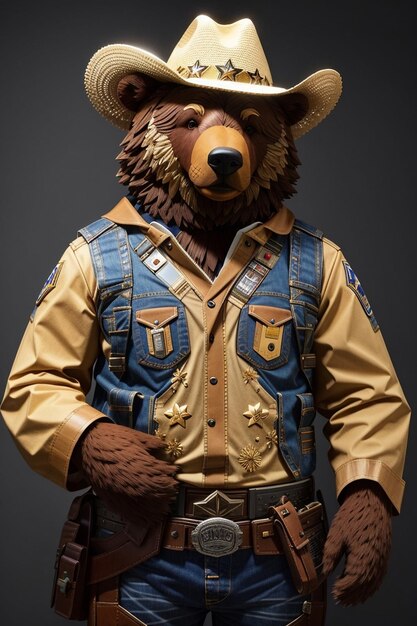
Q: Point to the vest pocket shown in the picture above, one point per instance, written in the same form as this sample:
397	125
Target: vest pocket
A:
123	406
264	335
160	334
306	435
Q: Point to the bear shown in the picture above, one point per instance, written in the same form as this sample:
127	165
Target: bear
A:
214	324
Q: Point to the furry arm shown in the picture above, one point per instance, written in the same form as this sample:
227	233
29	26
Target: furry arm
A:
124	468
361	530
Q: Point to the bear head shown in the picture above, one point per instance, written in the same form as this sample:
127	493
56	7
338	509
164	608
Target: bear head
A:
208	160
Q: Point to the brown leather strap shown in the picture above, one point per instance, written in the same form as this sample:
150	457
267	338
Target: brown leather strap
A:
119	553
249	503
256	534
314	610
318	606
295	546
105	609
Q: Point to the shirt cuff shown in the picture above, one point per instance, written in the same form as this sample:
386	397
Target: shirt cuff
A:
370	469
64	443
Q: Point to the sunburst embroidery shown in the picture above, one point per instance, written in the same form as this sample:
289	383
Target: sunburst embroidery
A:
179	378
250	458
174	448
249	375
271	439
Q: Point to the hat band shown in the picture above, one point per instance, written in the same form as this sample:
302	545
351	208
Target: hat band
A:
227	72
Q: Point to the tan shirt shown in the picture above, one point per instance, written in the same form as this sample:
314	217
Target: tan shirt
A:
356	388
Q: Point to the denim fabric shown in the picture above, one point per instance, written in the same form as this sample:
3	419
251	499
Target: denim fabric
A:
181	587
242	589
126	286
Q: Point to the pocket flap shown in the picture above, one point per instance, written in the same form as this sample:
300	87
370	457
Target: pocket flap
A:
269	315
158	317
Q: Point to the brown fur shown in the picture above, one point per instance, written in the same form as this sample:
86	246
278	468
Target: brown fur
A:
156	158
361	529
124	469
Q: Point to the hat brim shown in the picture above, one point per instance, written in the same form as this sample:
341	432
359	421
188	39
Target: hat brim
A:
111	63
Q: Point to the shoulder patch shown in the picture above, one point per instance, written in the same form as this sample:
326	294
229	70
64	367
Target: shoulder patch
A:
50	283
353	283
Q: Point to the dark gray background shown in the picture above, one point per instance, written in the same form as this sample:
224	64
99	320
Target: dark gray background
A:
57	159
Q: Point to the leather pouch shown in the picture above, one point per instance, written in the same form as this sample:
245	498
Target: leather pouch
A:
302	534
70	599
69	592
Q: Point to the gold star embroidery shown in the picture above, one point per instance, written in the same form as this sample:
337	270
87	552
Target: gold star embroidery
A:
177	415
196	70
228	71
250	374
271	439
174	448
179	378
250	458
255	414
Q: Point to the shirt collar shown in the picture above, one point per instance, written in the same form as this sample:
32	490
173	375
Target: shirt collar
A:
125	214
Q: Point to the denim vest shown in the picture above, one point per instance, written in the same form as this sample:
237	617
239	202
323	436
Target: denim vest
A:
134	376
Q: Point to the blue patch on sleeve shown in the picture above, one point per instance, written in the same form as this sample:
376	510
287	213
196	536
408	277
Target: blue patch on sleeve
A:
353	283
50	283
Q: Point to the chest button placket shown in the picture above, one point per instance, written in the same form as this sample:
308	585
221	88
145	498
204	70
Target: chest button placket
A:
215	465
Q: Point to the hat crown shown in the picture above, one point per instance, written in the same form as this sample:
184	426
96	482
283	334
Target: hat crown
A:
214	45
225	57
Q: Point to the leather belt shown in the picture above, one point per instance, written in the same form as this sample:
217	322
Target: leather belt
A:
217	523
256	534
240	504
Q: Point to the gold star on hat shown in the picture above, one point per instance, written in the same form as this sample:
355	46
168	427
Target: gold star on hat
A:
228	71
196	70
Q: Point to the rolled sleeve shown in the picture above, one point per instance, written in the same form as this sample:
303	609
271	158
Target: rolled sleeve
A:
356	387
45	405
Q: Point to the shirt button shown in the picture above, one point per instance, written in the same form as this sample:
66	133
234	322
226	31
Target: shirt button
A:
211	422
211	304
213	380
169	245
248	243
211	337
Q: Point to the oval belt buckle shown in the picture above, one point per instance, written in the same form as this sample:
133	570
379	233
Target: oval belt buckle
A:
216	536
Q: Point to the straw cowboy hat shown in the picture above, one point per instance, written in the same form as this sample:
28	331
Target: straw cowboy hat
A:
228	57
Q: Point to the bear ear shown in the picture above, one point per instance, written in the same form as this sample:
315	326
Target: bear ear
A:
134	89
294	106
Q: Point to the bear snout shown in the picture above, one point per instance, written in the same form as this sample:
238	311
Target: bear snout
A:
220	166
224	161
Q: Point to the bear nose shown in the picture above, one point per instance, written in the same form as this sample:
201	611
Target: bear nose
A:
224	161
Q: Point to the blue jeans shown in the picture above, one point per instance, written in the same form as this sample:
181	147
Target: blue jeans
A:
181	588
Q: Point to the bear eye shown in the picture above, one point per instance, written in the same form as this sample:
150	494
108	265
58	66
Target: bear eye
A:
250	130
192	124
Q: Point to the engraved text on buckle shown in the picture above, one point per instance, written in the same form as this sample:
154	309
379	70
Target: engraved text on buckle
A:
216	536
